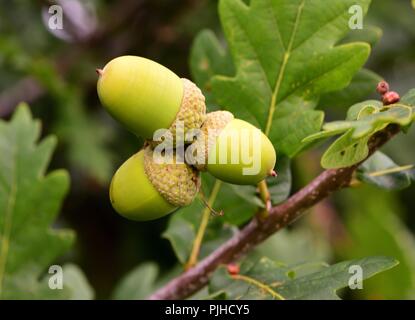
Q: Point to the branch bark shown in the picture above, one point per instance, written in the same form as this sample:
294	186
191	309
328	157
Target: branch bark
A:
257	230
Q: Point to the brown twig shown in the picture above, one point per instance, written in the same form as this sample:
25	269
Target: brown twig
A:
257	231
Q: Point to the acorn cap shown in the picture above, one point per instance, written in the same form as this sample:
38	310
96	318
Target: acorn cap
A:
253	159
177	182
192	111
212	127
145	96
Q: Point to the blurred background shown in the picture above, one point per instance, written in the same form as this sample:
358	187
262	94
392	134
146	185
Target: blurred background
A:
55	73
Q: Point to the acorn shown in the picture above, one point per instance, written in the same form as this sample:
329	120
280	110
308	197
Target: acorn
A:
146	187
145	96
232	150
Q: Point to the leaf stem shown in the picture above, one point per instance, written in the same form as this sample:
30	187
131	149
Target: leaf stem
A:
203	225
391	170
355	182
258	284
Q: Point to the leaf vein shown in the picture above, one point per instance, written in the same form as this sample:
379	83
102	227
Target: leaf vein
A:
319	29
277	25
286	58
314	79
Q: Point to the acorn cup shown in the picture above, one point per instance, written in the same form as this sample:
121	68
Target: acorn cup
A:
233	150
145	96
144	188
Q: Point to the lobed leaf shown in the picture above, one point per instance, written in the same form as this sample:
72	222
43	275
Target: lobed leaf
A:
285	57
267	279
375	214
138	283
182	228
361	87
29	202
363	120
345	151
364	82
381	171
360	109
369	34
208	58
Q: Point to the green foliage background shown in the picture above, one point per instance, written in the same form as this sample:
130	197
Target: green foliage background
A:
124	260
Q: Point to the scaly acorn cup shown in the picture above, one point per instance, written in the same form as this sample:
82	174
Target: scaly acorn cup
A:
145	96
144	188
233	150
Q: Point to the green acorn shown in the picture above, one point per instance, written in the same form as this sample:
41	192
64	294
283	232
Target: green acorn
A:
145	188
233	150
145	96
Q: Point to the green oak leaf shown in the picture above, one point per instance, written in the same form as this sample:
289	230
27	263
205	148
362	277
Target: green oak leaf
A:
183	226
208	58
362	85
345	151
363	120
351	148
381	171
295	246
369	34
355	112
358	110
409	99
29	202
267	279
370	120
372	214
138	284
364	82
285	57
77	283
